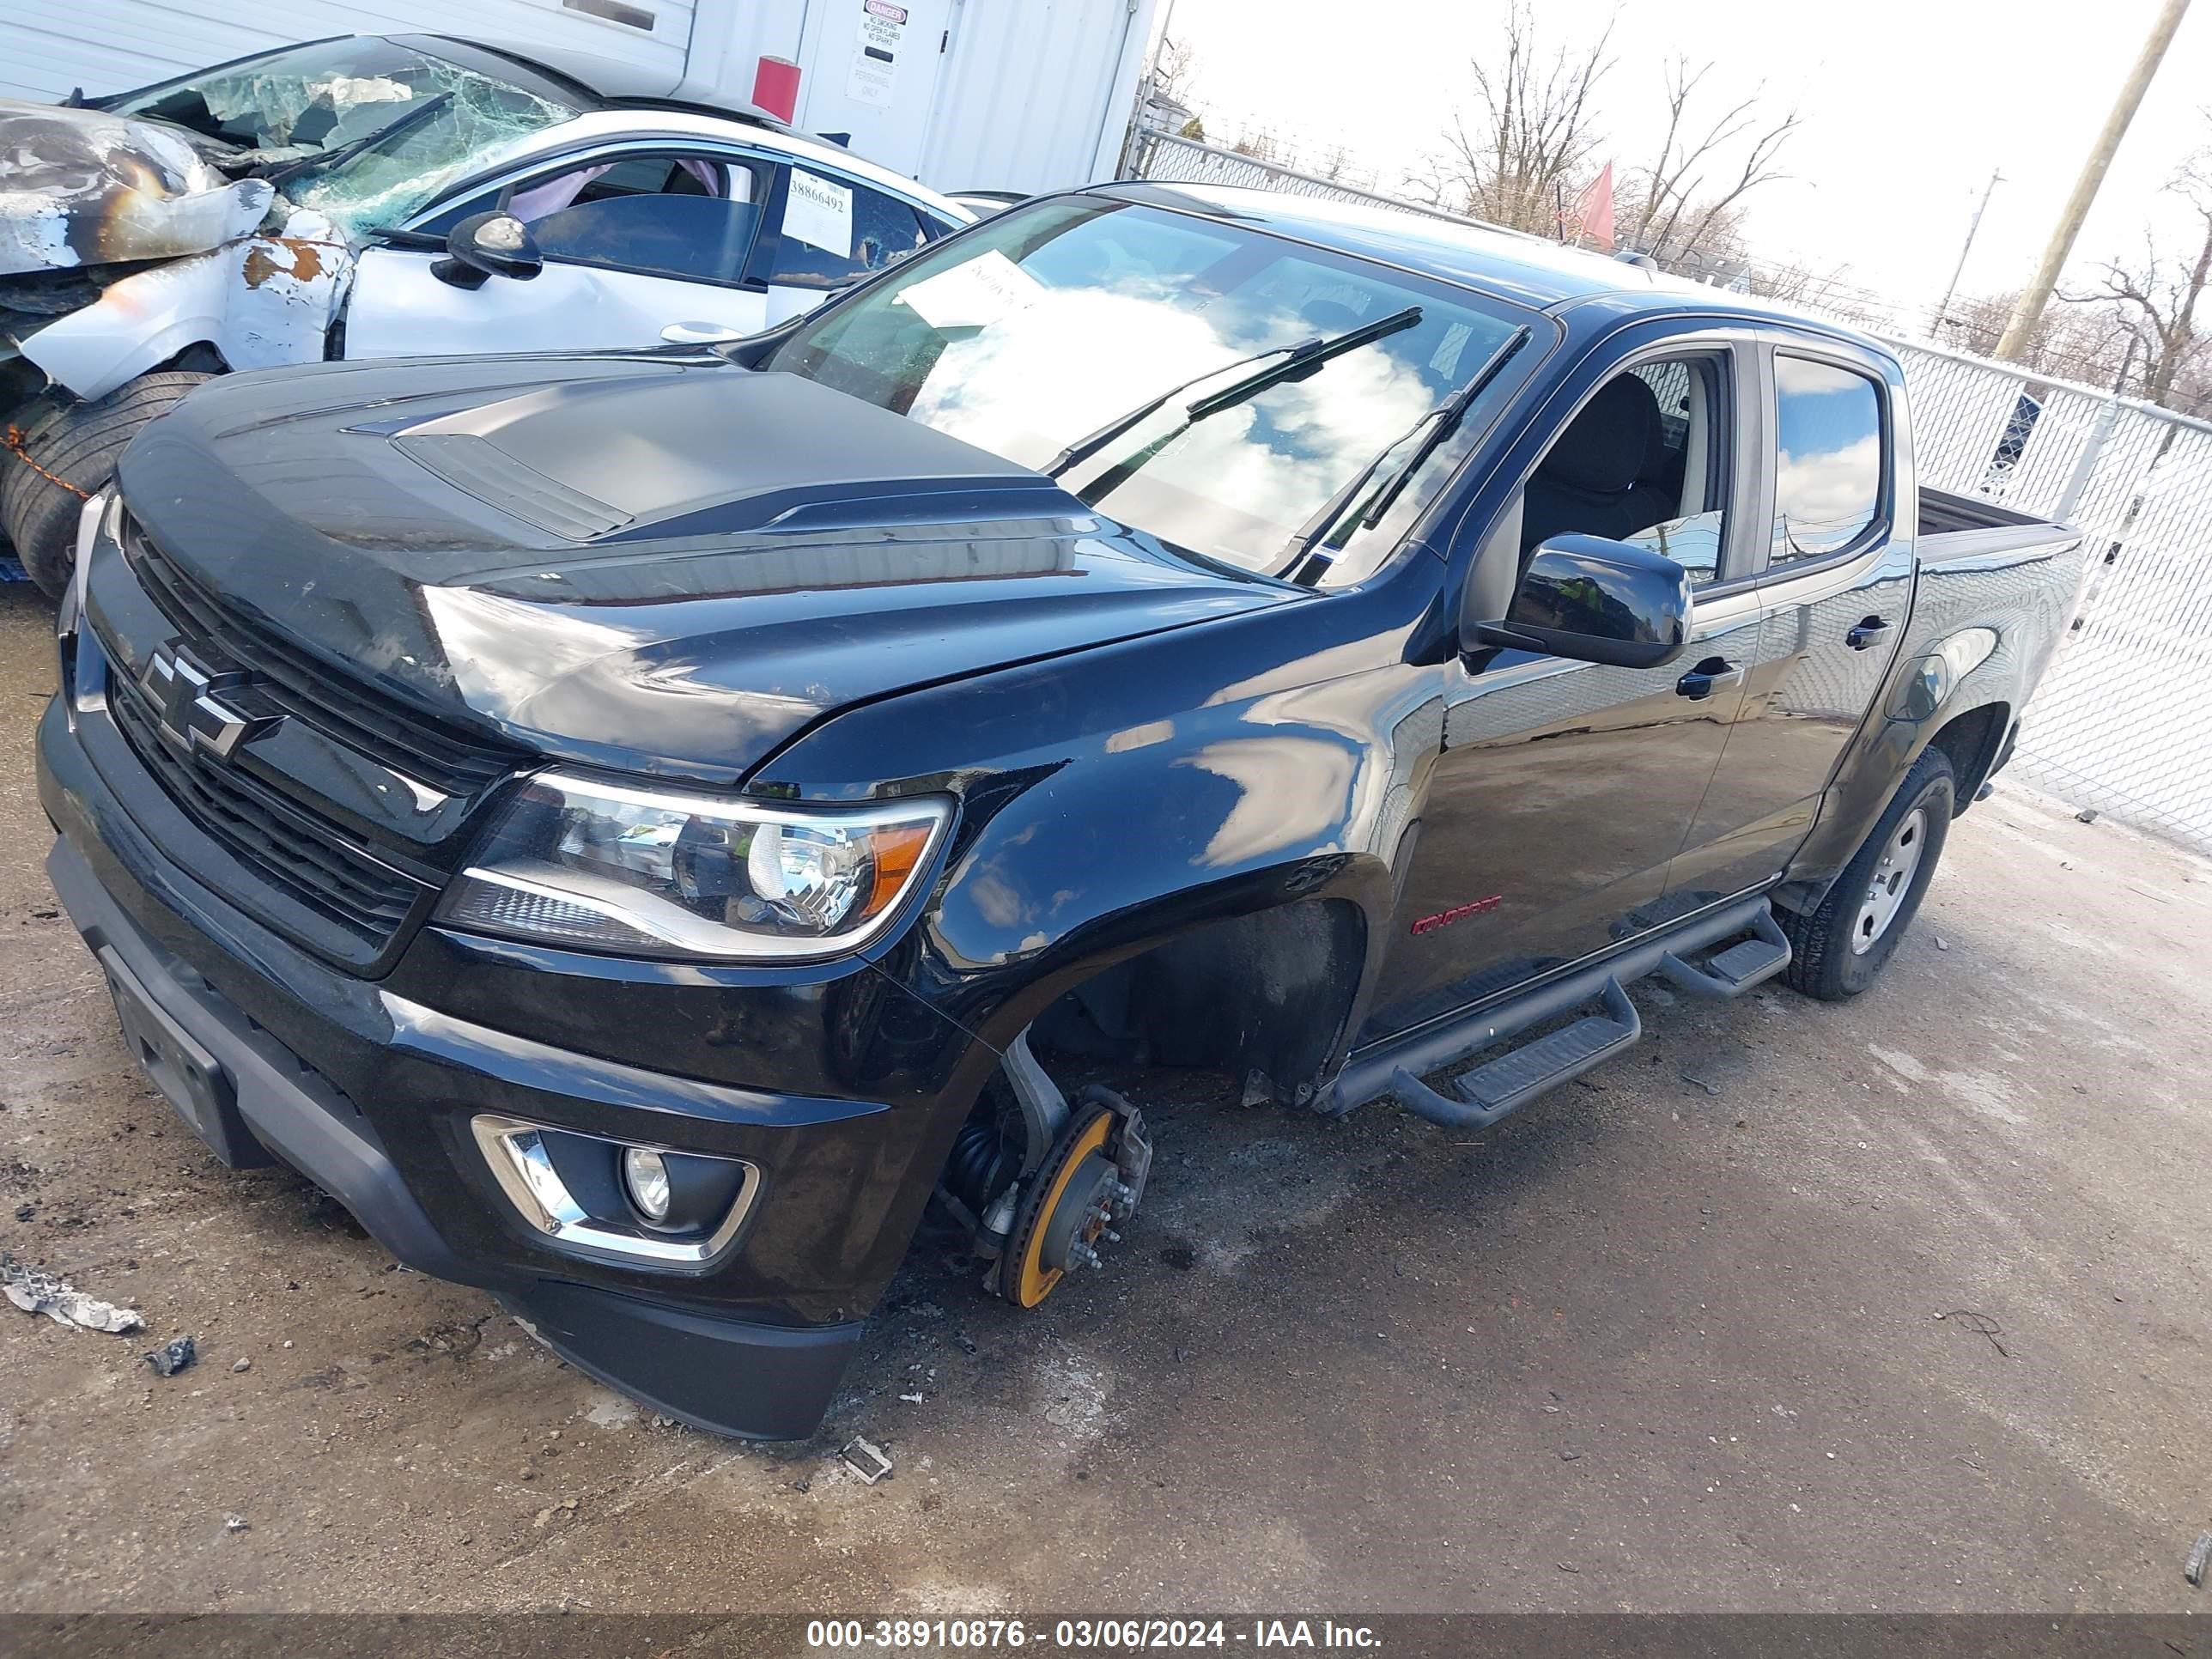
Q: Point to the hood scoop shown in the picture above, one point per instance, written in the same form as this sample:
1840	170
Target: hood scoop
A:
478	467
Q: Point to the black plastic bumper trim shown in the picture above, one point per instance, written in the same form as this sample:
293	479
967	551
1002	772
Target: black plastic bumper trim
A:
728	1376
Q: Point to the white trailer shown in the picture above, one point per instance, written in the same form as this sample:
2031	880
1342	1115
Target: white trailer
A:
1007	95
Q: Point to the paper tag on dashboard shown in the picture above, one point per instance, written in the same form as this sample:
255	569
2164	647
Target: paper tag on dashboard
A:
984	291
819	213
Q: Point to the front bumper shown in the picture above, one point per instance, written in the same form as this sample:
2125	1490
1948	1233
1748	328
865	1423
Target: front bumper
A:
369	1094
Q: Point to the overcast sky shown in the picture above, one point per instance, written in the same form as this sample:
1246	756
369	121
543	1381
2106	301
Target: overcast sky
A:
1908	104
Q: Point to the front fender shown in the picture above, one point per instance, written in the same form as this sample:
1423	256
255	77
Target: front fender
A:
1173	797
261	302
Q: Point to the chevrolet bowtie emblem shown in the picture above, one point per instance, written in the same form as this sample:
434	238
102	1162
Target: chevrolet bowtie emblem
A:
193	701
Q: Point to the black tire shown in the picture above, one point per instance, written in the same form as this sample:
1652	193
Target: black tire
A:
61	451
1823	961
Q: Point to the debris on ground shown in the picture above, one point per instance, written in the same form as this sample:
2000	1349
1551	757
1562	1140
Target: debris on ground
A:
173	1357
243	1365
2199	1558
236	1524
871	1464
1718	1067
2087	815
1980	1324
35	1291
1942	943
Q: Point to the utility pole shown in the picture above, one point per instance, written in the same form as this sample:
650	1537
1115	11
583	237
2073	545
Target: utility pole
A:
2037	294
1974	224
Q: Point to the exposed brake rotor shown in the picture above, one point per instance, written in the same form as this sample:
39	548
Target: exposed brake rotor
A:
1093	1177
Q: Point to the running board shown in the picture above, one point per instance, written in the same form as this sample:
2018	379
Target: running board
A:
1731	972
1395	1065
1507	1084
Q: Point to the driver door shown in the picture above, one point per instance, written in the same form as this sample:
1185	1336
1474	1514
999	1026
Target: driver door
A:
1562	790
631	242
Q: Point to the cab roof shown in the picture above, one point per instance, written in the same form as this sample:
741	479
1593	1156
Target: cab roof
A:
1509	264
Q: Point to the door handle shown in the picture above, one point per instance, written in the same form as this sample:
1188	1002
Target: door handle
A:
1870	632
1707	678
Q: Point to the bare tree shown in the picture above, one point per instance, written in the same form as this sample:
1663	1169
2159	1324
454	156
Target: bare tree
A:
1797	283
1675	215
1526	146
2157	299
1174	68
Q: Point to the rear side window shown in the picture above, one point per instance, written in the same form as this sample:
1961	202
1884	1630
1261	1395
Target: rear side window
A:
1828	477
833	231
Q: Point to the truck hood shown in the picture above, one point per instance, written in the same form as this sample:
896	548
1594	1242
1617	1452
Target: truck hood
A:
651	561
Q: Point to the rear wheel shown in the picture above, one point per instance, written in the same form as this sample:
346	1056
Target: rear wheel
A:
1837	951
61	452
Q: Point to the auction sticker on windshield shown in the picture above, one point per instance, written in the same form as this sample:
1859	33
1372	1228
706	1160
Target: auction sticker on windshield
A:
985	290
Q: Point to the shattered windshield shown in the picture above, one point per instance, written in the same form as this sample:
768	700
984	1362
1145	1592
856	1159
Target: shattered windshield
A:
365	130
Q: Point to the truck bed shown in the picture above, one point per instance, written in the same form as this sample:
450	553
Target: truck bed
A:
1957	526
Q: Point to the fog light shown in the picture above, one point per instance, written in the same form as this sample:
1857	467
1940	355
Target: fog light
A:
592	1195
645	1176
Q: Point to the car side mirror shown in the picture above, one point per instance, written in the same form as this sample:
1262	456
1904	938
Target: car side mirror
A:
489	245
1595	600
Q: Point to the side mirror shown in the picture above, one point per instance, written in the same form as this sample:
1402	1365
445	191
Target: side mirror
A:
488	245
1596	600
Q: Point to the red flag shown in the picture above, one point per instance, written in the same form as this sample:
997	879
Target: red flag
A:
1592	213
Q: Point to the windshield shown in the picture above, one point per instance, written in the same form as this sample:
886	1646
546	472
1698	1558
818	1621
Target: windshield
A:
363	129
1048	324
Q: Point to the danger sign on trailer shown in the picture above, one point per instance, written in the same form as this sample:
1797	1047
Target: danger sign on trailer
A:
876	55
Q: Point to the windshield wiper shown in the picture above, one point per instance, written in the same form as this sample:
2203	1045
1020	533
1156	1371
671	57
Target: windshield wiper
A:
331	158
1297	359
1305	549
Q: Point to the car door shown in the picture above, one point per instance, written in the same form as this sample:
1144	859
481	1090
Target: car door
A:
1562	790
830	229
633	238
1835	589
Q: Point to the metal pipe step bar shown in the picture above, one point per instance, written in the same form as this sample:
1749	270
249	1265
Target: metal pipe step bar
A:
1503	1086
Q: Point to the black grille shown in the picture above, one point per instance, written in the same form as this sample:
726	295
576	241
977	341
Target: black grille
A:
429	750
295	855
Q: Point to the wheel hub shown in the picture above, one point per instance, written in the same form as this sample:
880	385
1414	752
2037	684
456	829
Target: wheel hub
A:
1073	1202
1891	881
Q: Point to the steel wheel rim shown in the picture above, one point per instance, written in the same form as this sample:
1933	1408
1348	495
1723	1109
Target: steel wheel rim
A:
1891	881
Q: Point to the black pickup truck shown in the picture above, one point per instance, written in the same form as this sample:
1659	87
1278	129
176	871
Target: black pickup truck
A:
641	829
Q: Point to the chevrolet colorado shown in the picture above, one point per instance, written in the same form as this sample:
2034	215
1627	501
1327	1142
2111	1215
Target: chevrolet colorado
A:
641	827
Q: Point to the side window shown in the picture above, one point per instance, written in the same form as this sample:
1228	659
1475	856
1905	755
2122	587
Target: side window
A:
833	231
1646	461
1828	476
687	216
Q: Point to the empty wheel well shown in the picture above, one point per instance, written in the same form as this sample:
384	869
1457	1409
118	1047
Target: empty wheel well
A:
1969	742
1267	994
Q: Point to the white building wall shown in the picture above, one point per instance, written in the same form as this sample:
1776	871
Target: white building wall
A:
1036	93
48	47
1026	95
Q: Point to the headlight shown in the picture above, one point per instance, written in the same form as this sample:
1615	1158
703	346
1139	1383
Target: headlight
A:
640	873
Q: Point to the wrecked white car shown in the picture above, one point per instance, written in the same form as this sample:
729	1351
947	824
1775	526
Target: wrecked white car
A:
379	196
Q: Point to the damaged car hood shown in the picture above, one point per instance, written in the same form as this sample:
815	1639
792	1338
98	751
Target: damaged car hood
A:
82	187
655	562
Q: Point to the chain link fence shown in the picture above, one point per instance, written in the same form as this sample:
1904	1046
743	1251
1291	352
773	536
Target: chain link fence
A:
2123	720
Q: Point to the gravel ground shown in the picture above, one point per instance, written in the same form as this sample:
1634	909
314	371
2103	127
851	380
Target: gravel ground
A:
1900	1305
